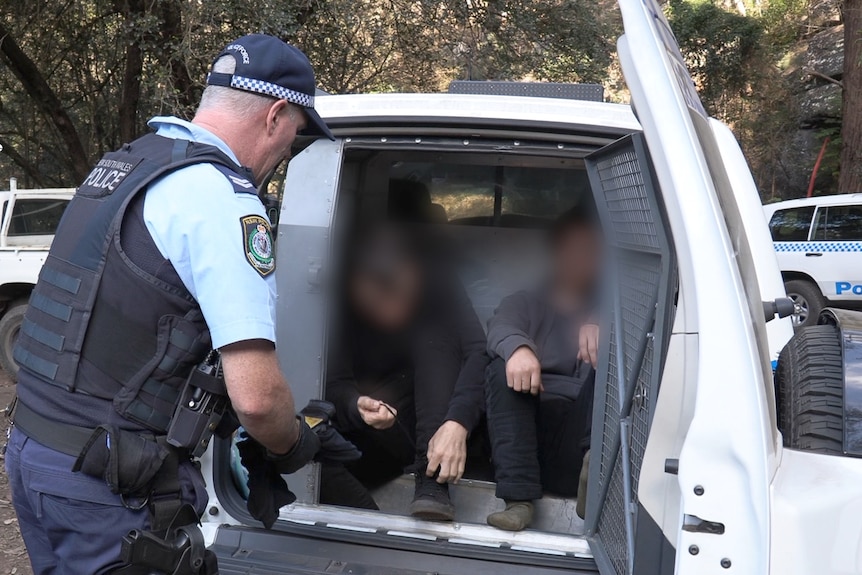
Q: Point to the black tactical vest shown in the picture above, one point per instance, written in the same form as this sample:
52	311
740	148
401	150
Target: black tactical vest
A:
109	321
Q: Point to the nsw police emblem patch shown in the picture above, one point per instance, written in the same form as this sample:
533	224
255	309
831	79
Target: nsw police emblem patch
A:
259	249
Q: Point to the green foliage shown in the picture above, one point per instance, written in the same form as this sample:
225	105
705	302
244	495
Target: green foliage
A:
116	61
112	64
734	59
783	21
724	50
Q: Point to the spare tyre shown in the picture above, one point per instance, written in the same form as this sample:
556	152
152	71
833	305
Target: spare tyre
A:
10	325
809	386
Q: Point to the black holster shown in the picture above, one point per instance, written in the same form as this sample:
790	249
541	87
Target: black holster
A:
136	467
126	460
180	551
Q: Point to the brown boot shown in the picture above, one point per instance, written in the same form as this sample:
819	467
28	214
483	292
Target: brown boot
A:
517	516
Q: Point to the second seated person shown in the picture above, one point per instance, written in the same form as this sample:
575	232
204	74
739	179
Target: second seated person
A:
539	385
406	376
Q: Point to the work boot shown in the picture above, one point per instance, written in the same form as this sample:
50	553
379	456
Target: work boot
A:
431	500
517	516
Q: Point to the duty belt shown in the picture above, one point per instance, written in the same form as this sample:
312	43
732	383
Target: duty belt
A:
62	437
162	494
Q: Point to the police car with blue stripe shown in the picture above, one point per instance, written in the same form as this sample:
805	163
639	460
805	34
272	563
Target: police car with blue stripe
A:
818	242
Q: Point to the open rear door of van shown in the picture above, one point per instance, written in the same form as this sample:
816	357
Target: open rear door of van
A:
684	438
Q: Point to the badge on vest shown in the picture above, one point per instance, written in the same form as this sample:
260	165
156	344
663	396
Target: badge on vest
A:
259	249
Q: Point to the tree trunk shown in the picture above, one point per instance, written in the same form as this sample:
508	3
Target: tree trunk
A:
172	37
46	100
131	91
850	178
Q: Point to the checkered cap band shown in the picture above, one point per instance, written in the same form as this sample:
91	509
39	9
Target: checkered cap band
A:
261	87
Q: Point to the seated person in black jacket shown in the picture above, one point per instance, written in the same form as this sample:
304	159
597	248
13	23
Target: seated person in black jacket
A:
539	385
406	377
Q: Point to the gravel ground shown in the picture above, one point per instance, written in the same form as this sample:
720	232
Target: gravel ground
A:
13	555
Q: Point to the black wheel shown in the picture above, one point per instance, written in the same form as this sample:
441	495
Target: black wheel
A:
10	325
809	385
808	299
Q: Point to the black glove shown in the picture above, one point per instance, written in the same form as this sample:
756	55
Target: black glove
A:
334	448
301	454
267	490
317	441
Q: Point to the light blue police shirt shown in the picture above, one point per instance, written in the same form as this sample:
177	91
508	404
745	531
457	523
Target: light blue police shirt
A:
195	218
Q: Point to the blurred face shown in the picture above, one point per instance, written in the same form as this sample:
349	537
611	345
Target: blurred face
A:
577	258
387	304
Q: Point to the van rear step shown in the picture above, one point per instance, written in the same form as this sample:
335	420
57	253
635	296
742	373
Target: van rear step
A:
401	530
474	500
243	550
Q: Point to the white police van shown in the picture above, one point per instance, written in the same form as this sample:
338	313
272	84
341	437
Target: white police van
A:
818	242
689	471
28	220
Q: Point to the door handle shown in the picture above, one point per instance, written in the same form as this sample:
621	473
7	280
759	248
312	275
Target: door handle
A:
813	254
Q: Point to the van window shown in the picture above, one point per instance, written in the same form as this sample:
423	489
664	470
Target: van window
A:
36	217
495	195
838	224
791	225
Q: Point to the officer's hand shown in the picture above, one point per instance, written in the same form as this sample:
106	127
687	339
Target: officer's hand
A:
334	448
318	441
267	490
376	413
301	454
524	372
447	451
588	349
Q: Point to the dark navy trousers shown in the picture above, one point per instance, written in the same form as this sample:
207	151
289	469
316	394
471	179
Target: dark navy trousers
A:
71	523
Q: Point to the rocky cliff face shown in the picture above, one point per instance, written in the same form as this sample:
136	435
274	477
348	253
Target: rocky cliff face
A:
822	66
814	71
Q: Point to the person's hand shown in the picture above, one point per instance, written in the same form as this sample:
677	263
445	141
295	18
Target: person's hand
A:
588	348
447	451
524	372
376	413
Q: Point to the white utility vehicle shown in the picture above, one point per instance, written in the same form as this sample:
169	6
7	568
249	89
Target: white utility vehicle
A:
819	246
28	219
689	472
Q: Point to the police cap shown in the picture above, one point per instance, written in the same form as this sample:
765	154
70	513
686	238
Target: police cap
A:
266	65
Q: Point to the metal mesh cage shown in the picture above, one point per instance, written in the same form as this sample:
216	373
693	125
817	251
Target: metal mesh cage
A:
612	523
611	410
635	319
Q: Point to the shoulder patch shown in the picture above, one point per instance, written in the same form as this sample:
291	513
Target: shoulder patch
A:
240	184
259	248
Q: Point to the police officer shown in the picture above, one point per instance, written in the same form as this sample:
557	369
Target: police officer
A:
165	253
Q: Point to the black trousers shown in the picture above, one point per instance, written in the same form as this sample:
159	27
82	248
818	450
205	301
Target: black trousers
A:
537	444
421	397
